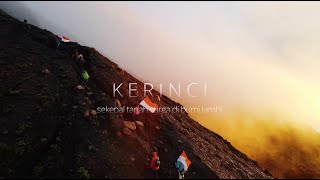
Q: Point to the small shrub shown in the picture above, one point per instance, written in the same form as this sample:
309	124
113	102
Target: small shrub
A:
83	173
38	170
22	127
55	147
19	147
3	147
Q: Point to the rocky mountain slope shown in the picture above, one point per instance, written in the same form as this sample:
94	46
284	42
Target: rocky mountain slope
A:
45	130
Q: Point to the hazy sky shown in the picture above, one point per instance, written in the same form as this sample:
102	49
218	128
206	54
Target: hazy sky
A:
260	56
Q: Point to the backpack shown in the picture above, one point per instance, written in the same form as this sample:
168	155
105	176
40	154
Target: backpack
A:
157	163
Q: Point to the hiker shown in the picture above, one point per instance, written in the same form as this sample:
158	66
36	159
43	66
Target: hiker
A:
80	58
182	164
75	54
58	40
136	111
52	42
158	97
117	103
155	164
24	25
85	75
180	168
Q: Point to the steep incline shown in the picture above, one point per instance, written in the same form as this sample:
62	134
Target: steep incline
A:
44	132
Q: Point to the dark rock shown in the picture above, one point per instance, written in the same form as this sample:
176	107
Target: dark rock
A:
90	148
87	113
127	131
139	123
119	134
160	142
14	92
81	102
80	87
45	71
93	112
129	125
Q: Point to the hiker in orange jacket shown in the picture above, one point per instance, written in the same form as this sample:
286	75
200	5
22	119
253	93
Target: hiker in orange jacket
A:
155	164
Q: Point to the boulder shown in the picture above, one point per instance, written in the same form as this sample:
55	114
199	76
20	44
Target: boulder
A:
119	134
129	125
90	148
116	124
14	92
160	142
139	123
155	148
86	99
80	87
5	132
93	112
87	113
46	71
127	131
81	102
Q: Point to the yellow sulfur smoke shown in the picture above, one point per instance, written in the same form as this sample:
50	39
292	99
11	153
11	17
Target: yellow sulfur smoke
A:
286	149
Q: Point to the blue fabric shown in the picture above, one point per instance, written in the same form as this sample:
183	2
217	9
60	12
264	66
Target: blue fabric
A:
179	166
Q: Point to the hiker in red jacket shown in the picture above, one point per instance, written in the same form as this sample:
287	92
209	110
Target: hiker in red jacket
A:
155	164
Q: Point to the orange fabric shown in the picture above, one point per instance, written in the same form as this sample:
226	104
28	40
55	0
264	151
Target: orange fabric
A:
183	154
119	104
150	103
